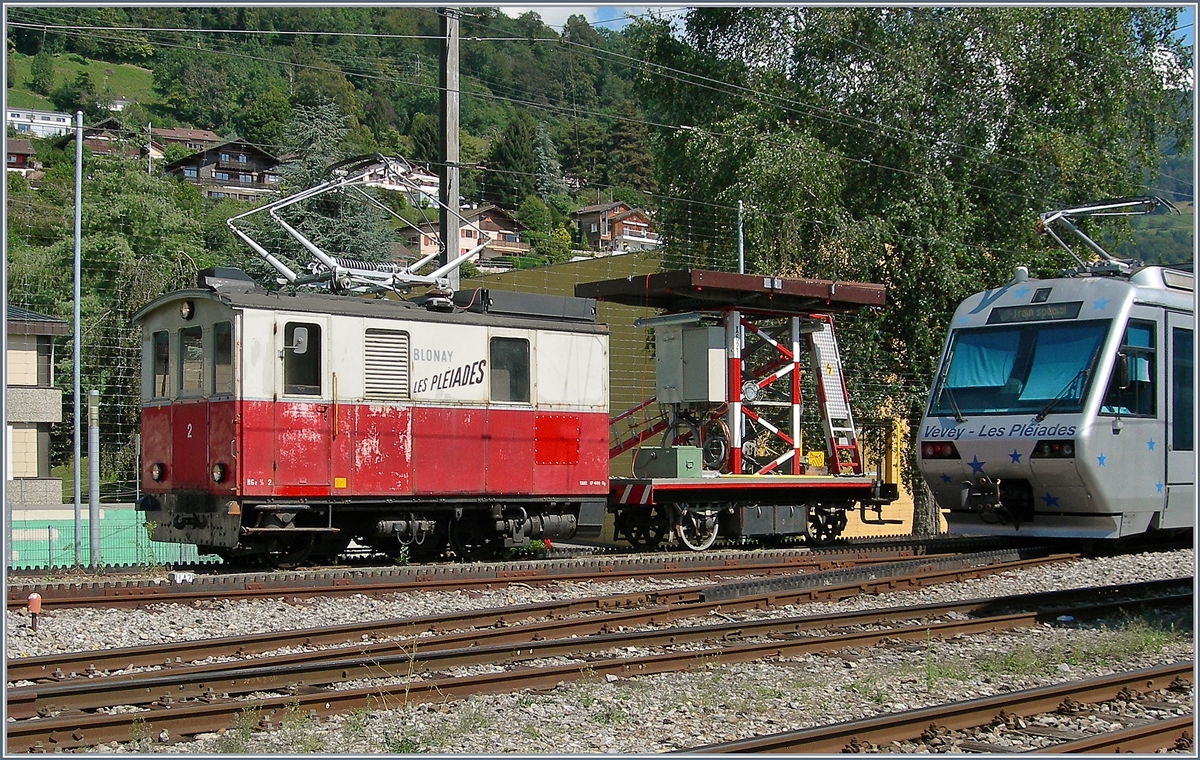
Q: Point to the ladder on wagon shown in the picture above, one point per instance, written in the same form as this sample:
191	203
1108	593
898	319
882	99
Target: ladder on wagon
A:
832	397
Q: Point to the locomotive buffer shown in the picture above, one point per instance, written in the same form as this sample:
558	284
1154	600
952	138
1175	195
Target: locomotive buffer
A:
729	359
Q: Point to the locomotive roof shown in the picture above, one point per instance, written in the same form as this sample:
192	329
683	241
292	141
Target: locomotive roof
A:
703	290
243	295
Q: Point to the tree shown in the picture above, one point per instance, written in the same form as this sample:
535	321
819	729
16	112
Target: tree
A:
629	161
549	179
262	121
583	149
911	148
81	94
425	139
41	73
511	162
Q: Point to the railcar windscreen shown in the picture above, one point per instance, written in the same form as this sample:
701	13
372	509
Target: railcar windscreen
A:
1019	369
222	358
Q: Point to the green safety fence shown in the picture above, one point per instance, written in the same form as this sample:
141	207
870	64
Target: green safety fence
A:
43	539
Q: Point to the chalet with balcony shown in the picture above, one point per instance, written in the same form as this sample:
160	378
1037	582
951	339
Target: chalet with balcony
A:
615	228
234	169
492	222
34	404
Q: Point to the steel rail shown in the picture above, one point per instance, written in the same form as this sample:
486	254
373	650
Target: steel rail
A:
908	725
417	657
434	577
211	712
821	587
1172	733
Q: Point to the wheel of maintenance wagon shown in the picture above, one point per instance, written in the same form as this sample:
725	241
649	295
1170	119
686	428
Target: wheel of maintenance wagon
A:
644	528
824	524
694	526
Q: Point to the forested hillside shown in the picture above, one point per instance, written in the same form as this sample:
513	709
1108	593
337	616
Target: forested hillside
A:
913	147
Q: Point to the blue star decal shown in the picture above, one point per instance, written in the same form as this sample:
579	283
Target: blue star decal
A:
1020	292
945	478
976	465
1100	304
1016	458
1150	444
1158	486
1100	460
1051	501
962	320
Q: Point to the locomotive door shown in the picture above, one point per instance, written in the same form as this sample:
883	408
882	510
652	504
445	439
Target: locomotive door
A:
303	406
1180	438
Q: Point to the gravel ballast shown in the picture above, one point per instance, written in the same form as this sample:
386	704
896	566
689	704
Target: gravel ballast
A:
664	712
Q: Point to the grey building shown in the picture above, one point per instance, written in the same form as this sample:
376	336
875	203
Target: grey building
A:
34	404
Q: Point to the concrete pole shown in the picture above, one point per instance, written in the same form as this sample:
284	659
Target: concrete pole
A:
449	175
77	333
94	478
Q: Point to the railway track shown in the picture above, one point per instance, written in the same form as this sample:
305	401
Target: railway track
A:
188	700
935	723
387	580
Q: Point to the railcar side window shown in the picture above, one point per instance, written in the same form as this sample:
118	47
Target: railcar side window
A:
1182	389
223	357
302	359
1138	398
191	359
510	369
162	364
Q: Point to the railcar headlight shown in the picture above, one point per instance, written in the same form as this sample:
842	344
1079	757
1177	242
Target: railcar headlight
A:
939	450
158	471
218	473
186	310
1053	450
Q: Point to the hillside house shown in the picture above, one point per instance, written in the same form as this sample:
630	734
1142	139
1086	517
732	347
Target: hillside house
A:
234	169
22	158
195	139
108	138
34	404
615	228
35	123
501	229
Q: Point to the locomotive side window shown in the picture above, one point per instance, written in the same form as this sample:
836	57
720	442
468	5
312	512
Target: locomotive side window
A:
1131	390
386	364
510	369
162	364
223	357
302	359
191	360
1183	390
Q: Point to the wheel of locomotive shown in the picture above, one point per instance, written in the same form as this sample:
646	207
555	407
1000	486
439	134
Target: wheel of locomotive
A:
431	546
823	524
286	548
646	529
473	539
327	547
696	528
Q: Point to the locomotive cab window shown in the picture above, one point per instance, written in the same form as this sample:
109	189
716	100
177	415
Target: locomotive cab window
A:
222	358
162	365
1131	388
191	360
510	369
302	359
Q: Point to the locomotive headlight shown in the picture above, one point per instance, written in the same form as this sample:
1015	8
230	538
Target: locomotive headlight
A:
218	473
158	471
187	309
939	450
1054	450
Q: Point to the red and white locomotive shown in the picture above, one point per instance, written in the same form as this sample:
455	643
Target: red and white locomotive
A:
289	424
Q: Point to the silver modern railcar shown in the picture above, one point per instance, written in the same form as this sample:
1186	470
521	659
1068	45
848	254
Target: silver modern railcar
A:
1064	407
